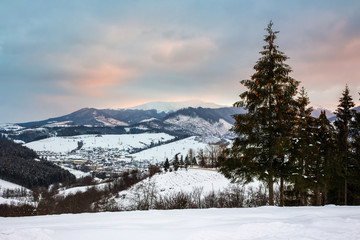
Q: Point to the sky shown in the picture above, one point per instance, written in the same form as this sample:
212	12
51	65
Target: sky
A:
59	56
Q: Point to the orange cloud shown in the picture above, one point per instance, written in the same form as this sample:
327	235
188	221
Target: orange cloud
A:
96	81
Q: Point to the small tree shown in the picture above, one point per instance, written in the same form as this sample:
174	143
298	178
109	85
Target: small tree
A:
344	116
176	163
166	165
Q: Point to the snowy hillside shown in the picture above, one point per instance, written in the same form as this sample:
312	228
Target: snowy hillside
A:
160	153
201	181
270	223
125	141
4	186
200	126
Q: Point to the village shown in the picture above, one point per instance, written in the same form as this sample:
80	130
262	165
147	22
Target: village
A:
99	161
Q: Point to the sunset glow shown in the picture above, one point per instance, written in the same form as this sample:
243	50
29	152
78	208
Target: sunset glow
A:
57	57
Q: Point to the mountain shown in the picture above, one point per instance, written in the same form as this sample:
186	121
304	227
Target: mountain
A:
168	107
317	110
97	118
209	122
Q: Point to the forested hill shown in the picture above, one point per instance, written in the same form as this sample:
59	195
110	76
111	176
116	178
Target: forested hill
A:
18	165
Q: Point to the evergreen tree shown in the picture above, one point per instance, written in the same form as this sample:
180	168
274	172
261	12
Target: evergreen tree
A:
354	166
325	143
342	124
176	163
264	131
166	165
302	151
182	160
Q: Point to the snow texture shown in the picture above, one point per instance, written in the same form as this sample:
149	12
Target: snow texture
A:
124	141
270	223
160	153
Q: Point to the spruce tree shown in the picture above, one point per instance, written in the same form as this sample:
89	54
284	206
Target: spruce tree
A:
166	165
302	151
264	132
325	143
176	163
354	166
342	124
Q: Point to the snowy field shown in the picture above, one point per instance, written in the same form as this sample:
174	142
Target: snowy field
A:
268	223
123	142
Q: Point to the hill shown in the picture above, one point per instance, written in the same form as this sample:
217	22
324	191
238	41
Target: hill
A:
18	165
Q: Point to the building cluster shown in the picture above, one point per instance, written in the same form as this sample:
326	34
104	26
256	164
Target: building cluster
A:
97	160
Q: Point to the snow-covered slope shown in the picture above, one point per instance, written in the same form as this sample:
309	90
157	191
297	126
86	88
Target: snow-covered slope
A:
160	153
200	126
125	141
270	223
174	106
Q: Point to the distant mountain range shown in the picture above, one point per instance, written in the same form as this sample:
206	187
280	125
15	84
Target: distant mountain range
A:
175	118
172	118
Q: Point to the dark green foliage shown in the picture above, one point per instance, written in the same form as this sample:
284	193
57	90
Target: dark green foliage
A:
176	162
344	117
264	131
166	165
17	165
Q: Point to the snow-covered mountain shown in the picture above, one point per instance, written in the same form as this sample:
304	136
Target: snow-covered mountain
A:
210	122
169	107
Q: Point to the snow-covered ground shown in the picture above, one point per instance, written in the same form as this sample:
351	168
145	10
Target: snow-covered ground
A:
329	222
169	183
4	185
8	185
124	141
160	153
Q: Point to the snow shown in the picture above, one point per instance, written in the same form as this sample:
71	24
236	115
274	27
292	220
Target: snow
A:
75	190
10	127
317	223
174	106
200	126
124	141
110	122
4	185
169	183
160	153
8	185
76	173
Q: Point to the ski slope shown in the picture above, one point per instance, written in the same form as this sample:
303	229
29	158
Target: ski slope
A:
270	223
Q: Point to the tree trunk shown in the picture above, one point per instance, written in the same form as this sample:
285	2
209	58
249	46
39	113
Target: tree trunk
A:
281	191
345	192
325	194
271	191
318	195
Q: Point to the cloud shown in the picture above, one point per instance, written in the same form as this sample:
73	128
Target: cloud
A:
97	81
183	53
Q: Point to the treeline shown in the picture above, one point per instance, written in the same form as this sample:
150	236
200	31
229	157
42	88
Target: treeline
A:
18	165
313	161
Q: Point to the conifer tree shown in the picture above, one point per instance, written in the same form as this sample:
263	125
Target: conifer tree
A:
176	163
354	166
264	131
342	124
325	143
302	151
166	165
